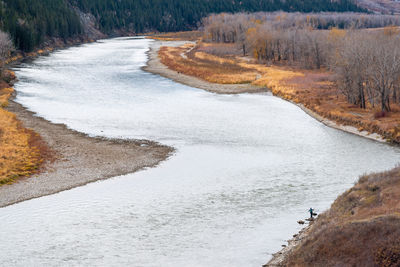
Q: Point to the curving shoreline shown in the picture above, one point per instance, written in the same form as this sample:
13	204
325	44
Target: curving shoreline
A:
155	66
344	128
83	159
80	159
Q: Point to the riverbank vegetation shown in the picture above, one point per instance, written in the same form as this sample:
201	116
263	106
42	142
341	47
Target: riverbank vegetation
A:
365	62
205	66
347	75
21	150
361	227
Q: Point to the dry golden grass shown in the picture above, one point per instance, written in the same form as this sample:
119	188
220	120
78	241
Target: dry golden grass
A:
314	89
21	150
13	59
204	66
177	36
18	56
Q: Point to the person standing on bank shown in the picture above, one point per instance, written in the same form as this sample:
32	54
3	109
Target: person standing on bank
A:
311	210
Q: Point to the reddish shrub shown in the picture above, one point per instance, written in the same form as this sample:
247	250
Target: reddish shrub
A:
380	114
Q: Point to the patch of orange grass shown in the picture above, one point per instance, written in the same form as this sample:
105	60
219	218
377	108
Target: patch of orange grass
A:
274	77
20	149
217	60
33	54
13	59
204	66
5	94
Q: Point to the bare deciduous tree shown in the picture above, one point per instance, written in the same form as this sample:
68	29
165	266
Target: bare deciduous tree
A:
6	47
384	67
350	61
366	62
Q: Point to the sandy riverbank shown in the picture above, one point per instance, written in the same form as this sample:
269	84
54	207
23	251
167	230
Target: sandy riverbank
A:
80	159
155	66
345	128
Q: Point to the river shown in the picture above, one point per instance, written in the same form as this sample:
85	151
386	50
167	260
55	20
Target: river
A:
246	168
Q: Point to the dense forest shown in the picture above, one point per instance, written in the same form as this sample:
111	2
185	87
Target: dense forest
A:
30	22
173	15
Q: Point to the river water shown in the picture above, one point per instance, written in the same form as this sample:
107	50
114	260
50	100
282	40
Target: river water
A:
247	167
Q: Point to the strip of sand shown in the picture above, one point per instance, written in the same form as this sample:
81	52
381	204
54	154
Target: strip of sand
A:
80	159
345	128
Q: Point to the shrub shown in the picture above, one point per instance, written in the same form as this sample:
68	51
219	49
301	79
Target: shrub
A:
380	114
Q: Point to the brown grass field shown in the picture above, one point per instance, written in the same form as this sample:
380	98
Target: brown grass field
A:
177	36
219	63
205	66
22	151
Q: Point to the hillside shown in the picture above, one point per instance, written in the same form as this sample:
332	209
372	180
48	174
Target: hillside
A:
31	22
172	15
381	6
360	229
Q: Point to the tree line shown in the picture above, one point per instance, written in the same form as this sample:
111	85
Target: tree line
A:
30	22
366	61
231	28
367	65
178	15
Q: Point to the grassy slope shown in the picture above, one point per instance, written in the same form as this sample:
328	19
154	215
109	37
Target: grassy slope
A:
21	150
362	228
